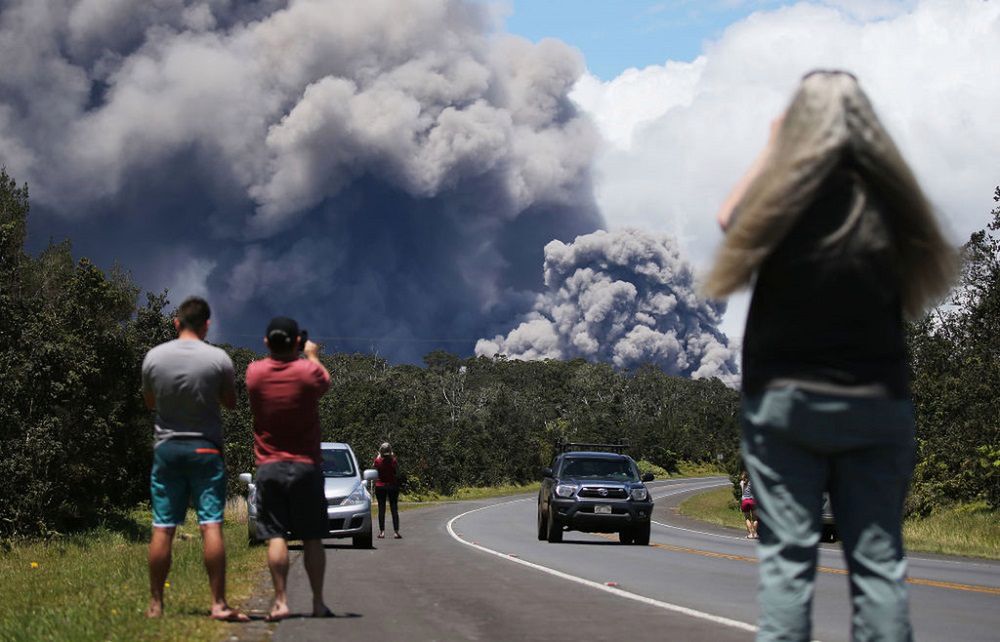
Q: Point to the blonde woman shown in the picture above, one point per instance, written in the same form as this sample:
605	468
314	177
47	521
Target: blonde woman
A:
834	233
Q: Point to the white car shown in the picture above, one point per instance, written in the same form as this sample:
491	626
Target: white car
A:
348	501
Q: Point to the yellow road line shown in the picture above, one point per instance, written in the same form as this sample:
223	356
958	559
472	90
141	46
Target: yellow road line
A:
972	588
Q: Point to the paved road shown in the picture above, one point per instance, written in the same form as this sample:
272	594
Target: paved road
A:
476	571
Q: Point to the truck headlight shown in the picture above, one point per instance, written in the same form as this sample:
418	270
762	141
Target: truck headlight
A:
357	496
565	490
640	494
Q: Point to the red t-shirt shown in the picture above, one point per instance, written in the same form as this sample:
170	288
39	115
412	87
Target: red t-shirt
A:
284	399
386	468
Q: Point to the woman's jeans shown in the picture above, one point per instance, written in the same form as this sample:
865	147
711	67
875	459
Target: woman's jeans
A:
381	492
797	444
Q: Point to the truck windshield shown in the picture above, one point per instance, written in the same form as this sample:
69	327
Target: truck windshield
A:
586	468
337	463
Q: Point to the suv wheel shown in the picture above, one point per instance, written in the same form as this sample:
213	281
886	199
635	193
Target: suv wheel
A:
641	535
543	525
625	536
553	529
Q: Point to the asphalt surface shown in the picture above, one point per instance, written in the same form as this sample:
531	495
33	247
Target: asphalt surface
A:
476	571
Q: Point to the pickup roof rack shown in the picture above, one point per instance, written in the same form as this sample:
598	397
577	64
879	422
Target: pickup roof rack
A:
562	447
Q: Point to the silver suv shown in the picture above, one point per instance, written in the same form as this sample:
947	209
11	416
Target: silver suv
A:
348	502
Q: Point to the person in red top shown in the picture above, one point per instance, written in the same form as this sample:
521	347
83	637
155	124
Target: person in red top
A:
284	395
387	486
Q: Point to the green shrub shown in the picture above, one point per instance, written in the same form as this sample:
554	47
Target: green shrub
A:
650	467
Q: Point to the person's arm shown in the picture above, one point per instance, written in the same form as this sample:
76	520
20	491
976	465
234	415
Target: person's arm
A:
311	350
148	396
227	393
725	214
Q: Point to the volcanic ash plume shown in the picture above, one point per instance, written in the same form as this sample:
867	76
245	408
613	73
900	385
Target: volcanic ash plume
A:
387	171
625	297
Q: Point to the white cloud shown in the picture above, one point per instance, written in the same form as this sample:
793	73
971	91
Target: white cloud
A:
681	134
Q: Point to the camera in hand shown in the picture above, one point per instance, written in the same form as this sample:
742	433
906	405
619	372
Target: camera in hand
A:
303	337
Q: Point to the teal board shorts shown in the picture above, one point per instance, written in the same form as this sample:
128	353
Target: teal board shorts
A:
187	470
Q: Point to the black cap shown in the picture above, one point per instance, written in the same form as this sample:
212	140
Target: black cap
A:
281	333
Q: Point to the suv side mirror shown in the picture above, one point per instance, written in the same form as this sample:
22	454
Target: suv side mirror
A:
246	478
647	477
370	474
547	472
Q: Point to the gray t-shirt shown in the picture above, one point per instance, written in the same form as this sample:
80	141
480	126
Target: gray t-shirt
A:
187	378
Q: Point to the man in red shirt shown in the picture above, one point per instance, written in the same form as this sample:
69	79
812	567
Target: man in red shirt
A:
284	395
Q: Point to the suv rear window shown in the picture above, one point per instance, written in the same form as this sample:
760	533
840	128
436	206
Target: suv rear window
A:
599	468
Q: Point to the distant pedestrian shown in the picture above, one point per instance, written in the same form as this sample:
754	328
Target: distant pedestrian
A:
284	395
748	505
184	381
387	487
839	242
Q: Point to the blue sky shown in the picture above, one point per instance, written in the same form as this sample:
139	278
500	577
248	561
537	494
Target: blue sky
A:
617	34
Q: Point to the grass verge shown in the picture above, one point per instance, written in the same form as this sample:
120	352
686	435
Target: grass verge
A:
94	585
698	469
968	529
716	506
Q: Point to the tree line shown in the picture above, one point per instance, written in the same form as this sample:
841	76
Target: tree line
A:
75	438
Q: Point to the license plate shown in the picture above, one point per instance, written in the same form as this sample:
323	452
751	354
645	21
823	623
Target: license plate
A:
602	509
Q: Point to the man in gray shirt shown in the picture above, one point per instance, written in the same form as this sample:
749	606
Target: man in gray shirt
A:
184	381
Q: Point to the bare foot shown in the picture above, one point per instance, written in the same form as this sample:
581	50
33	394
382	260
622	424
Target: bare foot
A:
225	613
155	609
278	612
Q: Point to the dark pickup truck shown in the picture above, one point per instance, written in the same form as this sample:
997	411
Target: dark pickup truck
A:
594	492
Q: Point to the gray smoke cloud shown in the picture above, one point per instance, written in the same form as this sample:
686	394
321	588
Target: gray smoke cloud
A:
387	171
625	297
293	106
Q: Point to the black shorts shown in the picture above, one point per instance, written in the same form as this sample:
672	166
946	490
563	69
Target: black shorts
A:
290	501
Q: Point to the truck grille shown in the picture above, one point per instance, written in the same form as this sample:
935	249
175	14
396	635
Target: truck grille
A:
593	492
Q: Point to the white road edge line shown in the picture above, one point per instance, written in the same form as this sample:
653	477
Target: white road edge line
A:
676	608
689	530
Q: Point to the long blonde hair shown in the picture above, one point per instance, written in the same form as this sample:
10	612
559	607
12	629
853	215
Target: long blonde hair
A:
829	124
